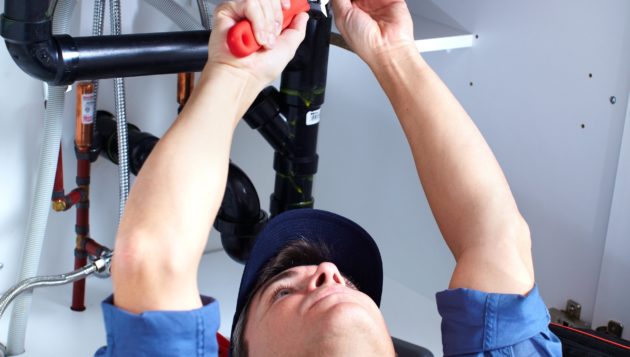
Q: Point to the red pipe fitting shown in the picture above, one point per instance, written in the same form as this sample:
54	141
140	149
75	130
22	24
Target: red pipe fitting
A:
93	248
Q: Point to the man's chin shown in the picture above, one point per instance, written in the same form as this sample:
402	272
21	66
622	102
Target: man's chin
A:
349	329
342	314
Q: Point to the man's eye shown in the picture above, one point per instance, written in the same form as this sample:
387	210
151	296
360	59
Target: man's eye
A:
281	292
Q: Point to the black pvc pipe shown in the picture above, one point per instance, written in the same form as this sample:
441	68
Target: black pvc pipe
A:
140	143
26	27
239	219
264	115
29	10
133	55
302	93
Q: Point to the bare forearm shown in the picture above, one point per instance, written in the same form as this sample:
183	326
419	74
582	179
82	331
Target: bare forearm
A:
176	196
466	188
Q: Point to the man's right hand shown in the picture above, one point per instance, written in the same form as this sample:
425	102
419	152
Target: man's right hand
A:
375	29
266	18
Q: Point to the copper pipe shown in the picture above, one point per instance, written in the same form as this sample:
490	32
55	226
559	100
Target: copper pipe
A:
83	168
58	199
185	86
58	187
85	111
78	287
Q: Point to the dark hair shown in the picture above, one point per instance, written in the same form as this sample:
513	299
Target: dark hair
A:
296	253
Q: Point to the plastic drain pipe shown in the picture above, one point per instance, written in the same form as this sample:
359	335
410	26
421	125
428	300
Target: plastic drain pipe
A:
205	13
177	14
40	206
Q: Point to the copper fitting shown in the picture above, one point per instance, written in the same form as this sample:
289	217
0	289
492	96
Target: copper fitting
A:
80	242
185	86
59	205
85	115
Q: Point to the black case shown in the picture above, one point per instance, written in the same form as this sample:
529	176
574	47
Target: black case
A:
589	343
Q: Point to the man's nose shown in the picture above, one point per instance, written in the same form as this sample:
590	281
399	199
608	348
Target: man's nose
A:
326	274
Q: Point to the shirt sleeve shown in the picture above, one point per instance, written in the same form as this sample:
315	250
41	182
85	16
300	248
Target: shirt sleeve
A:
161	333
476	323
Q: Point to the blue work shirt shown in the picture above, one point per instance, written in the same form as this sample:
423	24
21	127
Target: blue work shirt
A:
161	333
474	323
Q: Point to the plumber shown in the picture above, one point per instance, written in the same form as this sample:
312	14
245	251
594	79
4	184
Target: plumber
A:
313	283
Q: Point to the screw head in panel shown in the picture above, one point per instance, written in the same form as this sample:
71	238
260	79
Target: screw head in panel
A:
613	100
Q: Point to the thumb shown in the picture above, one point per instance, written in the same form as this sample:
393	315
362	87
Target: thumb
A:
227	14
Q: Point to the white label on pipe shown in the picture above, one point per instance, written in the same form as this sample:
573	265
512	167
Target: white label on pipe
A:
87	116
313	117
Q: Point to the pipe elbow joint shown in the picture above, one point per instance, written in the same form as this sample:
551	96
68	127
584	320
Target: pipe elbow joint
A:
30	45
34	49
240	217
238	238
36	59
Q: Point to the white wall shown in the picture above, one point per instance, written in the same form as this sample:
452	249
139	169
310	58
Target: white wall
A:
613	291
530	95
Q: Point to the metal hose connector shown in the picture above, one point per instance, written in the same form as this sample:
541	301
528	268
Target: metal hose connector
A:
106	271
177	14
28	285
121	114
205	13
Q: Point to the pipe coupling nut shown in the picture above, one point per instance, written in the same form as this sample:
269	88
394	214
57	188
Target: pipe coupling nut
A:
58	206
103	264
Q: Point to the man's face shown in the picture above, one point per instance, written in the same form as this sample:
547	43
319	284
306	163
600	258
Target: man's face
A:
314	311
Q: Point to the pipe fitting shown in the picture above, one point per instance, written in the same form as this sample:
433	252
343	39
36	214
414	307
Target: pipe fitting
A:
59	205
68	201
240	218
264	115
103	263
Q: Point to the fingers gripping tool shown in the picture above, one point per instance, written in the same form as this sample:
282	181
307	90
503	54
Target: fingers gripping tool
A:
241	40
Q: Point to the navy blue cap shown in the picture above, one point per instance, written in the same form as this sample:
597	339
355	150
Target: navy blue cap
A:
352	250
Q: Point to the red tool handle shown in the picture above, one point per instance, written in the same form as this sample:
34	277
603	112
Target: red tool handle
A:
241	39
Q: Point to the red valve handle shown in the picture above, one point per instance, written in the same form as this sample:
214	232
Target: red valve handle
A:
241	39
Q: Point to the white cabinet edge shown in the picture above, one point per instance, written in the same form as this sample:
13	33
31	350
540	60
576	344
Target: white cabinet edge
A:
445	43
